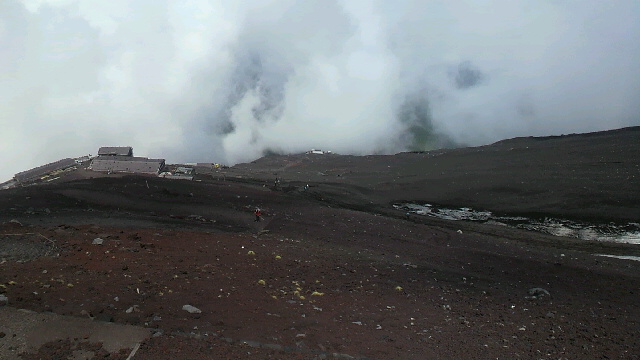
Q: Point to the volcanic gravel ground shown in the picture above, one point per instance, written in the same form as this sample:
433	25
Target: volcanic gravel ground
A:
331	272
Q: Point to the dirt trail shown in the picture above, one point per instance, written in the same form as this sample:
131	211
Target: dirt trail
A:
26	331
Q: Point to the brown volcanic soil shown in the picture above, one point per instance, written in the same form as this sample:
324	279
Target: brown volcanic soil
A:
335	271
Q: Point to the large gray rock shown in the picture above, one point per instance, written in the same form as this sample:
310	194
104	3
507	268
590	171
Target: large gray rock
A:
191	309
15	222
538	292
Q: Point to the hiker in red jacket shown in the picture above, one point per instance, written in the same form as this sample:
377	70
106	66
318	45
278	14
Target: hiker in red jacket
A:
258	214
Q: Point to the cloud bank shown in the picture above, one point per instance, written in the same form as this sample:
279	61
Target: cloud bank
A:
226	81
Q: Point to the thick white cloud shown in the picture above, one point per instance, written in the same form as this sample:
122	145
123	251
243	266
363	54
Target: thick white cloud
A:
206	80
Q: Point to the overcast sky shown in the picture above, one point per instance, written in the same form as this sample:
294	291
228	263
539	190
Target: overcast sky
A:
225	81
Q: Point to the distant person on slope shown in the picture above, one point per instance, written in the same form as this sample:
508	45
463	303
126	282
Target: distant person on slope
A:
257	213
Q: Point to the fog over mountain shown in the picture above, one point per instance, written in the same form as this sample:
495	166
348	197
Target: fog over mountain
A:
226	81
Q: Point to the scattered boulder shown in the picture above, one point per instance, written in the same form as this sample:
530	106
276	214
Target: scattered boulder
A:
197	218
251	343
535	293
3	300
98	241
14	222
191	309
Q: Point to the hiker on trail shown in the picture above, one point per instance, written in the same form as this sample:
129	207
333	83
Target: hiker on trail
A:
258	214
